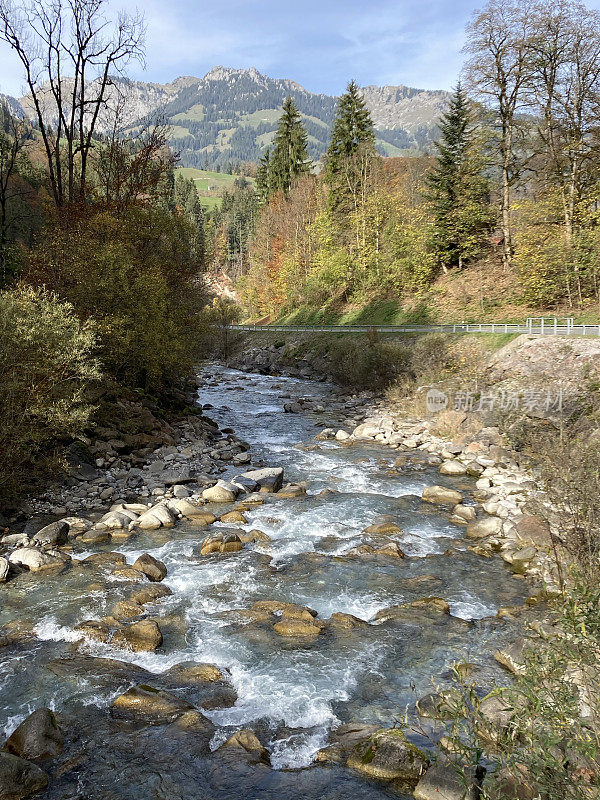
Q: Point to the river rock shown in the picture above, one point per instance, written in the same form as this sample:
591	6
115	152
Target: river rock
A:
247	741
234	516
292	490
513	656
533	530
178	475
388	755
19	778
37	737
224	542
453	468
192	672
443	782
115	520
104	559
95	536
254	536
463	514
405	612
297	628
340	621
270	479
34	560
4	567
155	517
383	528
489	526
245	484
150	594
220	493
55	534
150	705
142	636
152	568
194	512
440	495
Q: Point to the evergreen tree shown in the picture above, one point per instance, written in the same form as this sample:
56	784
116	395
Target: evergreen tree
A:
353	127
458	188
350	151
289	159
263	175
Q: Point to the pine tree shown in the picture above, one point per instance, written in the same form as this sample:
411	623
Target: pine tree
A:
262	176
289	159
350	150
458	188
352	128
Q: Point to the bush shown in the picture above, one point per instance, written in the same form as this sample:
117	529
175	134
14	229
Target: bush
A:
366	363
546	741
136	274
46	360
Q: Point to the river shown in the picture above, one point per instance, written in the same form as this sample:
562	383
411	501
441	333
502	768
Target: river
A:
291	693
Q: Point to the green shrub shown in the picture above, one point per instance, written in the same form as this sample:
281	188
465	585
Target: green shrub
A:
366	363
135	273
46	360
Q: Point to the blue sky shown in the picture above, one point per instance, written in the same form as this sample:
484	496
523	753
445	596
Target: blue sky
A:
320	44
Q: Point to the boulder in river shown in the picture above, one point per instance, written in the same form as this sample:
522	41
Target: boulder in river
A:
34	560
19	778
156	517
55	534
222	542
388	755
150	705
4	567
488	526
270	479
38	737
453	467
221	492
195	672
297	628
441	495
383	528
152	568
141	636
444	782
248	744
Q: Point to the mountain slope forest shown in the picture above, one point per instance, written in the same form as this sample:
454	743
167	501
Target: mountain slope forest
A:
230	116
499	221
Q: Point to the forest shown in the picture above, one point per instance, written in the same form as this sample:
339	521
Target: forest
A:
511	184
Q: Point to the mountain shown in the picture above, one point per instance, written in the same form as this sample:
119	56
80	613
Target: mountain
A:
230	115
13	105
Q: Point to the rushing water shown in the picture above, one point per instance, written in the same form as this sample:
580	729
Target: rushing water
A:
292	693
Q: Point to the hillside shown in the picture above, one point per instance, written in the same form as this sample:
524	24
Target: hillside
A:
231	115
210	184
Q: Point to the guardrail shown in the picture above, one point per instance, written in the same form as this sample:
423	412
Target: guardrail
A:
538	326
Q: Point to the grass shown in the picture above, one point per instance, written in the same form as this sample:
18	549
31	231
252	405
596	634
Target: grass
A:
377	312
210	184
207	180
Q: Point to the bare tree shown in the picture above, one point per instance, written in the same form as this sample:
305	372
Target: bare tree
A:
14	189
70	52
498	71
565	59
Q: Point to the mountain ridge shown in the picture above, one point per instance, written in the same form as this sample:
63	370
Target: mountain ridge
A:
230	115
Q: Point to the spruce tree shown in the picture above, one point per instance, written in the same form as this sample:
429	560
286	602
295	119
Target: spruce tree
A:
352	128
289	159
458	188
352	141
262	176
